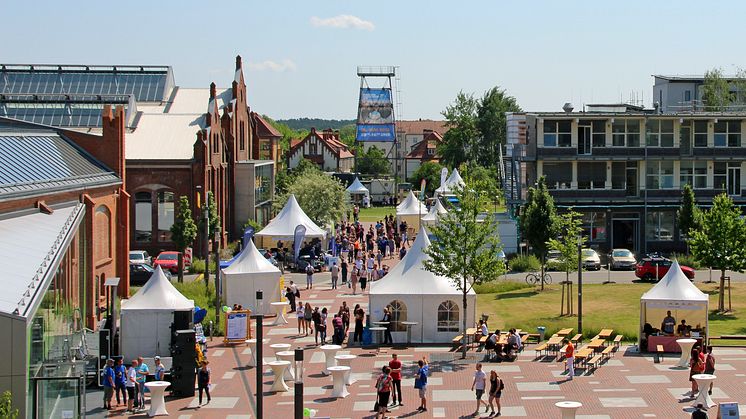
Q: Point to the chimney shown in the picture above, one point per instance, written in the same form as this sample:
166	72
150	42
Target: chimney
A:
113	129
238	62
213	92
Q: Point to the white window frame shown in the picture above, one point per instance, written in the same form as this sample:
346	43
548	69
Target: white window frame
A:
659	174
556	133
654	137
727	134
627	133
693	177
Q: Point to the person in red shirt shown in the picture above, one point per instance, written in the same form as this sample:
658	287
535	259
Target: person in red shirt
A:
570	356
395	366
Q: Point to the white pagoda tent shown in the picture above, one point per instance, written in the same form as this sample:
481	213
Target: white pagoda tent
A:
147	317
419	295
283	225
410	210
357	189
450	184
436	211
674	292
249	272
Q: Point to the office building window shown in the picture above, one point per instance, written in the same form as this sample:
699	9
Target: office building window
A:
659	133
659	225
594	226
558	175
693	173
625	133
557	134
599	133
728	134
659	174
700	133
720	176
591	175
687	95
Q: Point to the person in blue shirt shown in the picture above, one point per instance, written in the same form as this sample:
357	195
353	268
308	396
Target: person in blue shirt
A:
420	383
160	370
108	383
120	379
142	374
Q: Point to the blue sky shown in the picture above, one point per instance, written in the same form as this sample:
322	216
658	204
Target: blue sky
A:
302	55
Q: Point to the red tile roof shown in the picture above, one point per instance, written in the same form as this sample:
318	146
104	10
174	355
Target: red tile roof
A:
418	126
330	139
430	141
263	128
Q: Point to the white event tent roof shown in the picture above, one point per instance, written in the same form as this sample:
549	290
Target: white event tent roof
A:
436	211
453	180
283	225
357	188
249	272
411	206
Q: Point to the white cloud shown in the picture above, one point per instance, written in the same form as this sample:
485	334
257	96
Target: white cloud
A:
343	22
278	67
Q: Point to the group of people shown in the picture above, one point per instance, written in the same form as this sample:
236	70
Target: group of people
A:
505	351
388	385
701	361
129	383
314	320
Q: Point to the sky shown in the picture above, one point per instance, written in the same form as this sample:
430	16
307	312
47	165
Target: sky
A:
300	57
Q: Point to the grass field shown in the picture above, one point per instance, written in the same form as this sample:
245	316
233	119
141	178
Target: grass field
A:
374	214
614	306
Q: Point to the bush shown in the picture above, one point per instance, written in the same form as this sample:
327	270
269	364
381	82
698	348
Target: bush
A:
198	266
688	260
204	298
524	263
494	287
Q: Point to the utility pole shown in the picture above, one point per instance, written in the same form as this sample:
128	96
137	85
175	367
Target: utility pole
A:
217	277
580	285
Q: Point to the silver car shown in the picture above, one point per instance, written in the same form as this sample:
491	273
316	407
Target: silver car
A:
623	259
591	261
140	256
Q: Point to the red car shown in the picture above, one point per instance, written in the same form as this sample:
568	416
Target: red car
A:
645	270
168	261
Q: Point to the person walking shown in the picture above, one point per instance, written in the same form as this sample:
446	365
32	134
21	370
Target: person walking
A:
570	357
301	321
120	379
696	366
359	317
420	382
344	311
344	271
383	389
478	385
395	366
203	382
316	318
709	366
496	389
309	274
387	339
142	375
109	383
335	275
308	317
322	324
290	296
363	280
353	279
132	387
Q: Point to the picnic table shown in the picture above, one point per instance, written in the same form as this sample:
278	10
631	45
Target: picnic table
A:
554	343
605	333
470	334
596	344
565	332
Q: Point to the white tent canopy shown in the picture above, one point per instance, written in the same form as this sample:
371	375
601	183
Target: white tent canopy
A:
436	211
357	188
432	301
147	317
409	201
249	272
283	225
674	292
450	184
410	211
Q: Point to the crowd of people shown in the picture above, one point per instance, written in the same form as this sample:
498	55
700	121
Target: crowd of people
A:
128	383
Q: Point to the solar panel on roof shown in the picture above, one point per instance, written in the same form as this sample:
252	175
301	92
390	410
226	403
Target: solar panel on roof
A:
61	110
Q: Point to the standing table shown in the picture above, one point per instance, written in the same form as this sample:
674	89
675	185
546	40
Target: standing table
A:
288	356
279	307
252	346
379	334
568	409
703	382
345	361
686	349
329	352
338	377
157	402
279	347
278	369
409	330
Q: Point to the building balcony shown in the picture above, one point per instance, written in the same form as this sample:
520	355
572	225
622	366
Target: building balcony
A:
728	152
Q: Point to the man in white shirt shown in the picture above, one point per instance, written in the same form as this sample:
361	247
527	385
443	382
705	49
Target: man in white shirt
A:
479	383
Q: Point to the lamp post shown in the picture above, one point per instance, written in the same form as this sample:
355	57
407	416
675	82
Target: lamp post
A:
206	218
580	284
217	276
259	357
298	383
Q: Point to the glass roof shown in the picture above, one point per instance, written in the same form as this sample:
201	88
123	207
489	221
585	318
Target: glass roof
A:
63	110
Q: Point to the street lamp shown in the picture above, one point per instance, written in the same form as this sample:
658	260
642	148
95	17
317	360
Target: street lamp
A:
259	357
298	383
206	217
217	276
580	284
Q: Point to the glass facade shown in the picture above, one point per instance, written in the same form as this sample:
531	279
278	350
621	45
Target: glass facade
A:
262	183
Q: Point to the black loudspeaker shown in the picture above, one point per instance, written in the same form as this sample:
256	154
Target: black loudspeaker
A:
183	320
183	363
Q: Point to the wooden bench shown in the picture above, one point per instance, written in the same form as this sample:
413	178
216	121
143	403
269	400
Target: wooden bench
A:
457	341
608	351
541	348
658	354
533	337
524	340
618	341
561	353
595	361
725	337
577	338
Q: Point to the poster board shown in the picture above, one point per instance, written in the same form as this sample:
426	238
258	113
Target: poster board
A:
237	326
728	411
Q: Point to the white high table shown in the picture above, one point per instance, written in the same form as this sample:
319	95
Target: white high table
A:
279	347
686	349
279	307
703	382
157	402
329	352
338	378
288	356
409	330
568	408
252	346
278	369
345	361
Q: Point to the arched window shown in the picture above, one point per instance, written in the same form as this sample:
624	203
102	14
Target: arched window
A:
448	314
398	314
165	215
102	231
143	217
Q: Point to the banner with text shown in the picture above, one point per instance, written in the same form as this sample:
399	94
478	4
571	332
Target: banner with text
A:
375	117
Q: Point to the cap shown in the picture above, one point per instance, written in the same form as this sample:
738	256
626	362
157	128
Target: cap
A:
157	358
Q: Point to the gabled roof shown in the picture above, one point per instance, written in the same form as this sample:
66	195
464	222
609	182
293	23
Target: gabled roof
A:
284	224
196	100
263	128
330	139
164	137
674	286
250	261
421	125
420	150
38	159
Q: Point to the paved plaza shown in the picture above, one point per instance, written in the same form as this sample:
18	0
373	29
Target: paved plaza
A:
625	386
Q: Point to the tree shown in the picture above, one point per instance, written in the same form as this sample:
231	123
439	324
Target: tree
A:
430	171
487	178
538	221
373	162
569	228
459	142
689	215
212	208
716	94
322	197
491	123
720	242
183	231
6	406
466	251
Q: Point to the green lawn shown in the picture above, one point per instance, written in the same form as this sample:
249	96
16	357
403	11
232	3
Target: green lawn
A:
374	214
615	306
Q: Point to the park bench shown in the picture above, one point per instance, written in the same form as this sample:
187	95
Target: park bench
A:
561	353
618	341
658	354
541	348
595	361
456	342
524	340
533	337
725	337
577	338
608	351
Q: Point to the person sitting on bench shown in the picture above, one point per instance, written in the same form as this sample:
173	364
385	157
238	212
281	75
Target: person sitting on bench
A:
491	343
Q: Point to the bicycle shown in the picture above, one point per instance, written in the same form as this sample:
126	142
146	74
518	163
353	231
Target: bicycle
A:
533	278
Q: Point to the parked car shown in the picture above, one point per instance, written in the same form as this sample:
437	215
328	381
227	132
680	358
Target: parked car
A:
554	260
141	272
590	258
140	256
269	255
646	268
304	260
168	261
622	259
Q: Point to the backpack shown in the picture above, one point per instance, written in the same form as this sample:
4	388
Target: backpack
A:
502	384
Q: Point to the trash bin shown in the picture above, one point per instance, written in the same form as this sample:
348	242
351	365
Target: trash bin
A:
485	317
542	330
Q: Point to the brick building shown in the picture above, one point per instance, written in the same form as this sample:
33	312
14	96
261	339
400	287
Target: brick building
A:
325	149
424	151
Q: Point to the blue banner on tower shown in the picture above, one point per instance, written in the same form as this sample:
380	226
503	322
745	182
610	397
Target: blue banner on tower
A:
375	117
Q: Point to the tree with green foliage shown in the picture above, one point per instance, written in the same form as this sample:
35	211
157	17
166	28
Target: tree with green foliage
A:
183	231
539	221
569	229
460	141
492	124
430	171
373	162
322	197
720	242
716	94
212	208
6	406
689	215
487	178
467	251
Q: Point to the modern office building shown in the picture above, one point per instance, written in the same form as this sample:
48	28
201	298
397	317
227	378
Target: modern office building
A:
623	167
